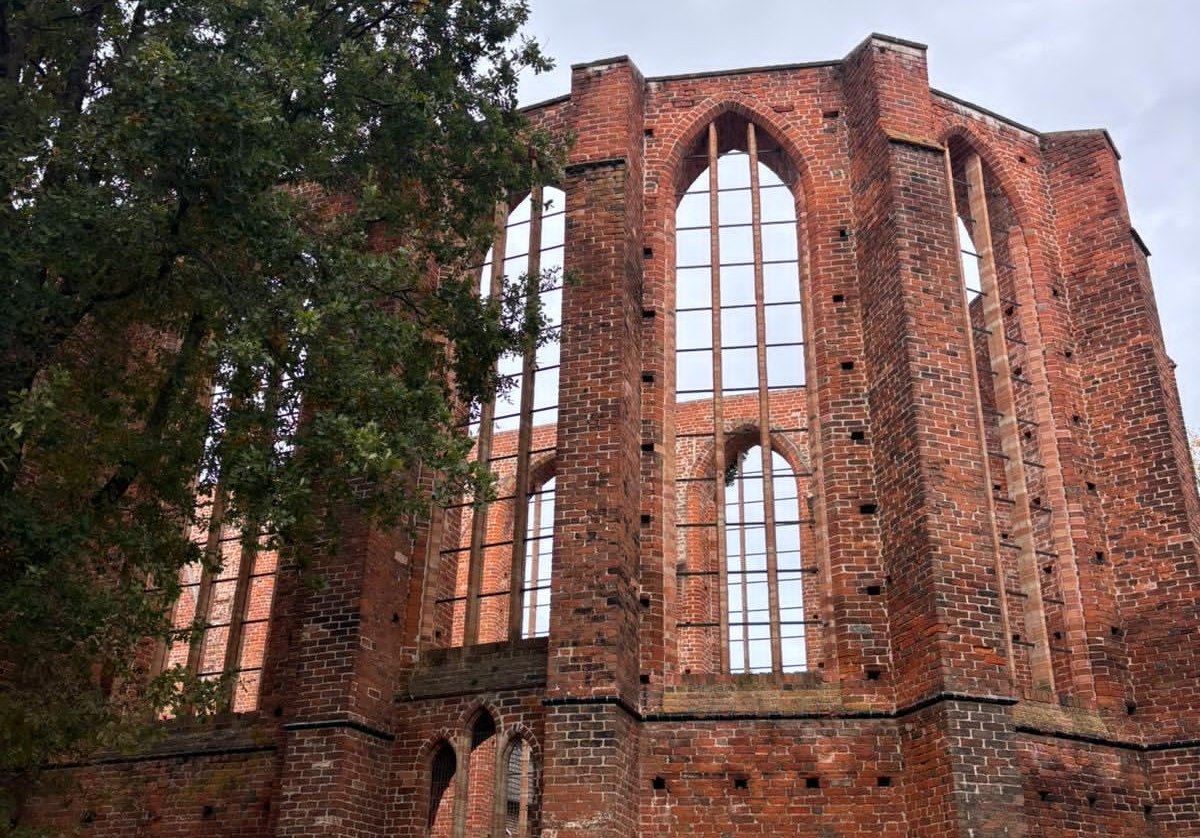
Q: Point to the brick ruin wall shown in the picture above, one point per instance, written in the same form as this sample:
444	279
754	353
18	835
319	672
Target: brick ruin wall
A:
960	684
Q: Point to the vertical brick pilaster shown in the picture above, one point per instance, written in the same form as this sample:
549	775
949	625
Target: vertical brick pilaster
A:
339	647
947	632
331	784
593	643
962	771
1142	469
592	678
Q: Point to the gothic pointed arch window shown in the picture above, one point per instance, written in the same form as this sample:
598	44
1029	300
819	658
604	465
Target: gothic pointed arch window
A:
443	768
492	579
481	780
743	514
519	790
222	616
991	243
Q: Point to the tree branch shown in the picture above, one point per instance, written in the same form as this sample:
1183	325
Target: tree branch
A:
156	423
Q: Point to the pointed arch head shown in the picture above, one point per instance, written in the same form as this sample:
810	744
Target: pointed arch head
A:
744	437
689	157
519	784
480	724
961	140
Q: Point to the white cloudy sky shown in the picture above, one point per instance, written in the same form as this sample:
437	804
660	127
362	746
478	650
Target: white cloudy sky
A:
1130	66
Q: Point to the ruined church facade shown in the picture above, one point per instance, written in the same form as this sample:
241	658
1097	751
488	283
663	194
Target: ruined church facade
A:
848	496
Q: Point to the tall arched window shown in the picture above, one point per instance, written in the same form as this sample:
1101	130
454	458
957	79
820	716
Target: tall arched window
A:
739	360
230	595
1008	398
493	580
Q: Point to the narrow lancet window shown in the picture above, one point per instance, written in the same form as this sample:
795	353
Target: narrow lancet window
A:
1007	403
519	787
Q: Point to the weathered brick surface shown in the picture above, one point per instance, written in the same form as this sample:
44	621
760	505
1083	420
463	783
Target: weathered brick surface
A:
1002	650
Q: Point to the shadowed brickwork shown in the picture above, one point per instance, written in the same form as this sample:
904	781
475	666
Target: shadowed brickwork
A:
998	533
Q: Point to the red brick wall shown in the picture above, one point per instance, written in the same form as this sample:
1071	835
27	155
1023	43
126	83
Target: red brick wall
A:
915	719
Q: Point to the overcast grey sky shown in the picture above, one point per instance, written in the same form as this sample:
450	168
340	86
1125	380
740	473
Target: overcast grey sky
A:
1130	67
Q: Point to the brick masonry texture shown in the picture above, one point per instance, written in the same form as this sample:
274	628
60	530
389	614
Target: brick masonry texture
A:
1001	648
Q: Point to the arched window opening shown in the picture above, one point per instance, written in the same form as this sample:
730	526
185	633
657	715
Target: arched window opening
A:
494	579
481	780
519	789
986	226
766	617
739	359
441	792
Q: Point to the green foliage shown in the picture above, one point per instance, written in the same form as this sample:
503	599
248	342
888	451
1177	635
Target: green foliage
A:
245	195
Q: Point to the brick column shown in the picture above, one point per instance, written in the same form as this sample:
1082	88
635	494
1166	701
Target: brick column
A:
592	679
948	643
337	649
932	496
1141	466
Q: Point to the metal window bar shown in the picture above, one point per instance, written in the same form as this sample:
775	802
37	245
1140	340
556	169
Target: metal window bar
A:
774	388
545	215
743	346
736	189
733	225
489	545
738	264
730	154
466	503
706	434
706	478
525	428
749	525
736	306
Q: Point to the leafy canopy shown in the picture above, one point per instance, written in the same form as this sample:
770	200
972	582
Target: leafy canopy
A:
246	195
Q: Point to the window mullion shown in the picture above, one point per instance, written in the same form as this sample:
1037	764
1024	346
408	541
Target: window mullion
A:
718	414
764	403
483	451
204	591
525	427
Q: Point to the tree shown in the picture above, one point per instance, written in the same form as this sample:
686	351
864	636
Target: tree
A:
243	198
